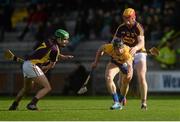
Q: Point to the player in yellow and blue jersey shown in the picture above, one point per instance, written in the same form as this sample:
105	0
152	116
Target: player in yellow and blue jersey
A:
44	57
121	61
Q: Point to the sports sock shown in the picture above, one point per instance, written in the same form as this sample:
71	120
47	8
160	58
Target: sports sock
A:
121	97
34	101
115	97
143	101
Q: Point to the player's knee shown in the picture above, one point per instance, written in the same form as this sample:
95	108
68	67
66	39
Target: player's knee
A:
142	73
142	77
48	88
126	81
129	79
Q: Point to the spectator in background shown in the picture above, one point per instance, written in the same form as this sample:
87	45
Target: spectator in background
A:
31	10
114	23
37	20
6	12
98	22
105	31
1	23
82	25
167	56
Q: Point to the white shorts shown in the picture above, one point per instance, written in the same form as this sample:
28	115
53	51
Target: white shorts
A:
31	70
139	57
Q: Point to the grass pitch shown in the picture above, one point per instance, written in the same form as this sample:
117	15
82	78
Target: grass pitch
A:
83	108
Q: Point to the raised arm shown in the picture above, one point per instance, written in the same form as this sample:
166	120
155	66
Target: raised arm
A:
99	53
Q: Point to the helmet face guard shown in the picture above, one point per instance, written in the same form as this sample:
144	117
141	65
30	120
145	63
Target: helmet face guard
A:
118	43
62	34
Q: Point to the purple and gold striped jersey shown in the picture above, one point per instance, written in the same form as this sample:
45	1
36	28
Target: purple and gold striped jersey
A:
44	53
119	58
129	35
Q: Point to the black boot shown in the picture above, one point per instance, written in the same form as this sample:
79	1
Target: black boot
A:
32	104
13	106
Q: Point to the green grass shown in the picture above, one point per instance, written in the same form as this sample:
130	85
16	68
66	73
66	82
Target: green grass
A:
83	108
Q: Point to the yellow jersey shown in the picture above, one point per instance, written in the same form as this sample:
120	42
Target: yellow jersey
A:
117	57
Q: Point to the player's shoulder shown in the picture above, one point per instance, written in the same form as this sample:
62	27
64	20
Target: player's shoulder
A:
107	46
122	26
52	46
39	45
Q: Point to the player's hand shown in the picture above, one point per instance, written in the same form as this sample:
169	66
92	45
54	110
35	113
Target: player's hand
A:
70	56
133	50
94	65
44	69
154	51
66	57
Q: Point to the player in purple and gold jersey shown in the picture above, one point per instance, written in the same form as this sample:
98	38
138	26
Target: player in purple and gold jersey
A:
132	34
121	61
43	58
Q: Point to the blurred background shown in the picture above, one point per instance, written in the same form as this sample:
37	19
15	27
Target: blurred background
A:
90	23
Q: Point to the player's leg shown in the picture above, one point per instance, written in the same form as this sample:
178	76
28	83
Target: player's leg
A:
124	81
124	88
43	81
22	92
35	73
141	69
141	73
110	73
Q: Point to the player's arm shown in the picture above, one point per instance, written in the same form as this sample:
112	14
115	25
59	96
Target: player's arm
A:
53	58
129	61
99	53
130	69
64	57
140	38
18	59
48	67
140	44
